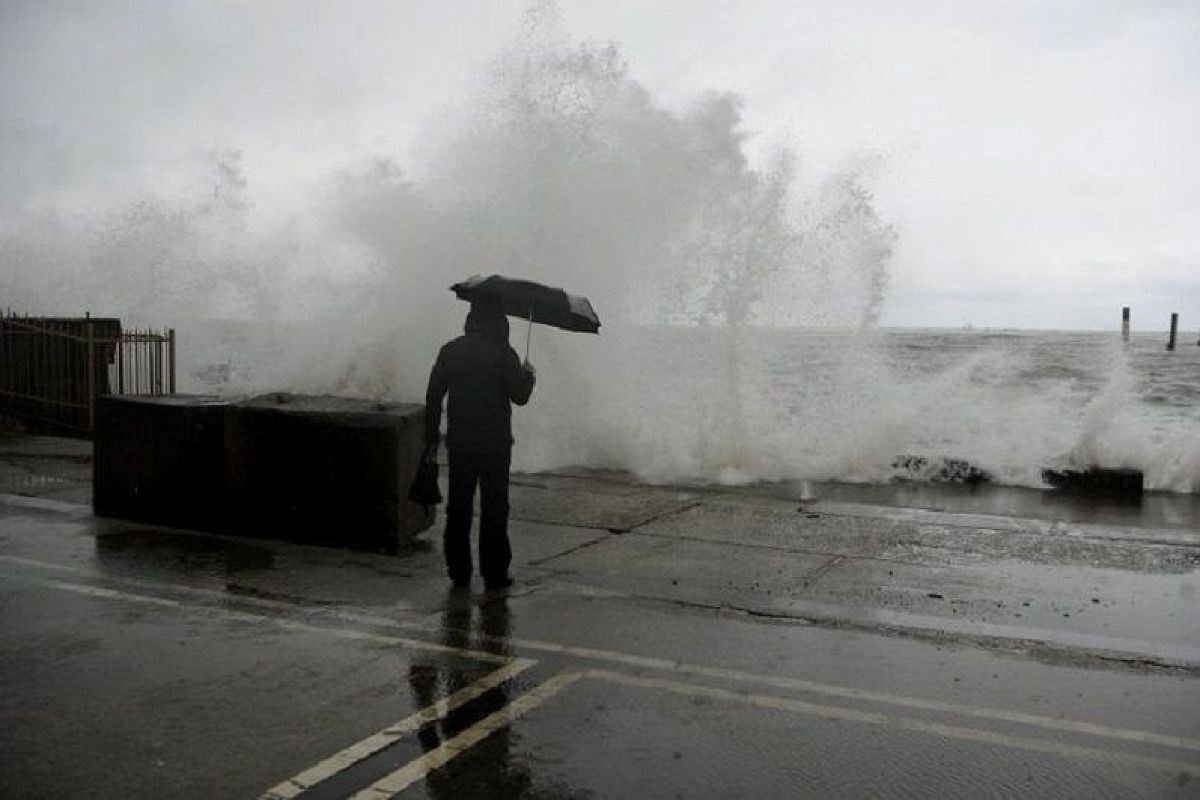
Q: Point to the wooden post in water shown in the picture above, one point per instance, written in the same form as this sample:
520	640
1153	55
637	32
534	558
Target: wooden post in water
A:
91	375
1125	323
1174	330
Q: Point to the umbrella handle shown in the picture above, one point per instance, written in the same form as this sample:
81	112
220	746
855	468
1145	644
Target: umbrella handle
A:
528	335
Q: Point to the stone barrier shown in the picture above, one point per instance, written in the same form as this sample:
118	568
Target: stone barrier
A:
326	470
1096	481
319	470
161	459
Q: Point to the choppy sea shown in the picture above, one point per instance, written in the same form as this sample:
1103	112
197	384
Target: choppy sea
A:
837	408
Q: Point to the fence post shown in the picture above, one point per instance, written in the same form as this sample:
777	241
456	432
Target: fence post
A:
1174	330
171	354
91	376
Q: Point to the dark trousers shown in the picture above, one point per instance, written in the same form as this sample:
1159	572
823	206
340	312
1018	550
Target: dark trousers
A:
490	472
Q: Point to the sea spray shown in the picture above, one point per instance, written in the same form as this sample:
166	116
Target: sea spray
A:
151	259
1109	434
569	173
562	168
739	298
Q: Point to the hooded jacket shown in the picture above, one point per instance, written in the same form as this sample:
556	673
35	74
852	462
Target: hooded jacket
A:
483	377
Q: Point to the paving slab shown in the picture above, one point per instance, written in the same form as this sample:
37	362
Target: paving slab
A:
919	539
591	504
1116	596
698	572
1184	534
1040	599
740	521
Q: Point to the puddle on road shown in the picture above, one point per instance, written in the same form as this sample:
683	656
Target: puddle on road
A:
145	550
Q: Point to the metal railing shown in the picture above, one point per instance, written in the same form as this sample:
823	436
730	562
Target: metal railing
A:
52	369
144	362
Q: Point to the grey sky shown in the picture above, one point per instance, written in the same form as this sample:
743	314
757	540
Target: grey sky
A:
1040	158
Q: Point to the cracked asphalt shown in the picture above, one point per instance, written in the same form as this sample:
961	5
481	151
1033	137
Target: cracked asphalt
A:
659	642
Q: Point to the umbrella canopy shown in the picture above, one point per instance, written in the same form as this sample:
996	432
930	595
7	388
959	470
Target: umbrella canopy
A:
533	301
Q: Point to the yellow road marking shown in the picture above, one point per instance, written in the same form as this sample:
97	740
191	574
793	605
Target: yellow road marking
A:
386	737
417	769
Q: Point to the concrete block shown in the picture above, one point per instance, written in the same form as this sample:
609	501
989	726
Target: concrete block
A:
325	470
161	459
1096	481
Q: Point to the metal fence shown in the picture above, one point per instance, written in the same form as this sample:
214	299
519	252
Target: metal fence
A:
52	369
144	363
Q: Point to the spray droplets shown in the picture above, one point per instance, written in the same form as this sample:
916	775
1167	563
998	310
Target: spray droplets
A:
561	168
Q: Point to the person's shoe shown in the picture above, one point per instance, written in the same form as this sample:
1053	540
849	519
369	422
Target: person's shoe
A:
495	584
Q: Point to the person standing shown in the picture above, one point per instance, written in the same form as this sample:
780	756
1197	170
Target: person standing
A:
483	377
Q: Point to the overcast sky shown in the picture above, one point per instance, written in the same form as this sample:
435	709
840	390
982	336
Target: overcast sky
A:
1040	159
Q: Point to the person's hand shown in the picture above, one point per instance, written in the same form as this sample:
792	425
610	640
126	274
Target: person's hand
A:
529	368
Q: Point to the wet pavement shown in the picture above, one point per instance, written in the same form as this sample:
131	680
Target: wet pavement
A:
659	642
46	466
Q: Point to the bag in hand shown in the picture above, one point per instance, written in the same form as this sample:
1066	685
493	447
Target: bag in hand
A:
424	489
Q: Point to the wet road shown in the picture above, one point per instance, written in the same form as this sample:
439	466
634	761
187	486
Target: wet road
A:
139	662
659	643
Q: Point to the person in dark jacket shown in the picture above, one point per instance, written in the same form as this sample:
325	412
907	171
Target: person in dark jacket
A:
483	377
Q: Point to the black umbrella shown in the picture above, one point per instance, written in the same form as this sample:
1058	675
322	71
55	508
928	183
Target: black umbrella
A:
535	302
